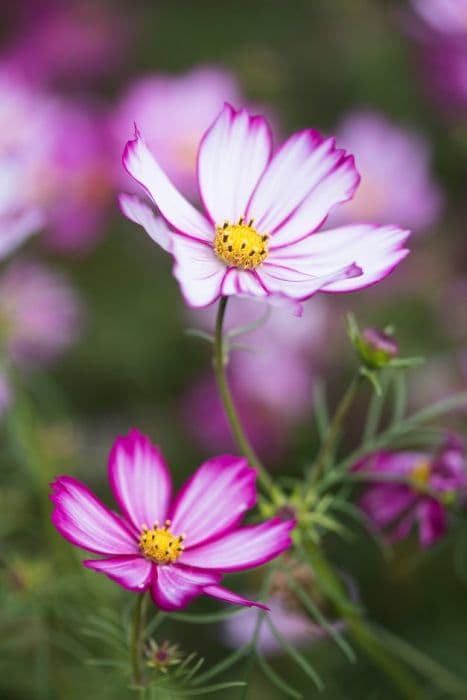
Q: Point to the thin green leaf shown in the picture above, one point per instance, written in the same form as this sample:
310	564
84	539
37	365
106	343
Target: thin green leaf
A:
207	689
299	659
207	618
222	665
317	615
276	680
320	409
202	335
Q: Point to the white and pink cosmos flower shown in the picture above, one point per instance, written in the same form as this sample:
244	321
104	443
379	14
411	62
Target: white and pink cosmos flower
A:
259	233
177	548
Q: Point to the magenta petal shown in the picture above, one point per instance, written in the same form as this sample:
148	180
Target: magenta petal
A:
384	503
199	272
243	548
176	586
232	157
176	210
140	480
83	520
134	573
214	499
140	213
432	518
230	597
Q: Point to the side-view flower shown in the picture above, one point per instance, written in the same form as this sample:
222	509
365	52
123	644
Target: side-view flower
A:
259	234
179	549
412	489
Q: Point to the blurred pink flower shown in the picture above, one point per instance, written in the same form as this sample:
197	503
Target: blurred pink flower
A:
400	507
271	378
77	41
63	161
259	236
5	393
40	314
173	112
441	35
177	548
380	197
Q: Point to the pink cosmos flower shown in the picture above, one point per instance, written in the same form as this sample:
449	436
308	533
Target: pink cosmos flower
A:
400	507
179	549
259	234
380	196
173	112
40	313
441	33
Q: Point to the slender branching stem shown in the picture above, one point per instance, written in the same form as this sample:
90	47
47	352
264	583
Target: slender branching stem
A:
240	437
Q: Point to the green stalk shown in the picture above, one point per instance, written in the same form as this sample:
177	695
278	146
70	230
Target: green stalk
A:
137	641
240	437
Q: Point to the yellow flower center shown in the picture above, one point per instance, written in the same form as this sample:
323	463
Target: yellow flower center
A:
160	545
420	473
240	245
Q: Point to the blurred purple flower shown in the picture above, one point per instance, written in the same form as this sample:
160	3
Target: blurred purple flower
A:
173	112
62	161
40	314
271	379
441	35
380	197
399	507
79	41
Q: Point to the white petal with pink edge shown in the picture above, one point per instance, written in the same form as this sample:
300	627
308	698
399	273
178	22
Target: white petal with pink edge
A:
377	250
176	210
134	573
297	284
305	163
214	499
243	548
232	157
199	272
175	586
227	596
140	213
86	522
140	480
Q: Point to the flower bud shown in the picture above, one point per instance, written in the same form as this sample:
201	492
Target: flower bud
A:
376	348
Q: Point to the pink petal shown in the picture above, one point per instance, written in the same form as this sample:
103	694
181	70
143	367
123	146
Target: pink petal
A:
384	503
230	597
83	520
377	250
243	282
432	517
305	179
180	214
15	230
243	548
134	573
140	480
232	157
198	271
214	499
139	212
175	586
297	284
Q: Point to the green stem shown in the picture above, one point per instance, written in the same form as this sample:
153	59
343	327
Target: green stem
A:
335	428
137	640
363	635
241	439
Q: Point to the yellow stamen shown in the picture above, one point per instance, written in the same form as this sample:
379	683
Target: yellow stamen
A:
240	245
159	544
420	473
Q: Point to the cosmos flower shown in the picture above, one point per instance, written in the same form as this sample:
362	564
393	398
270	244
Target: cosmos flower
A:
179	549
173	112
40	313
259	234
440	31
380	196
400	507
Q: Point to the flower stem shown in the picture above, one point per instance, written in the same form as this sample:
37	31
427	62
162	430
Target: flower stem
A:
240	437
137	640
335	428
